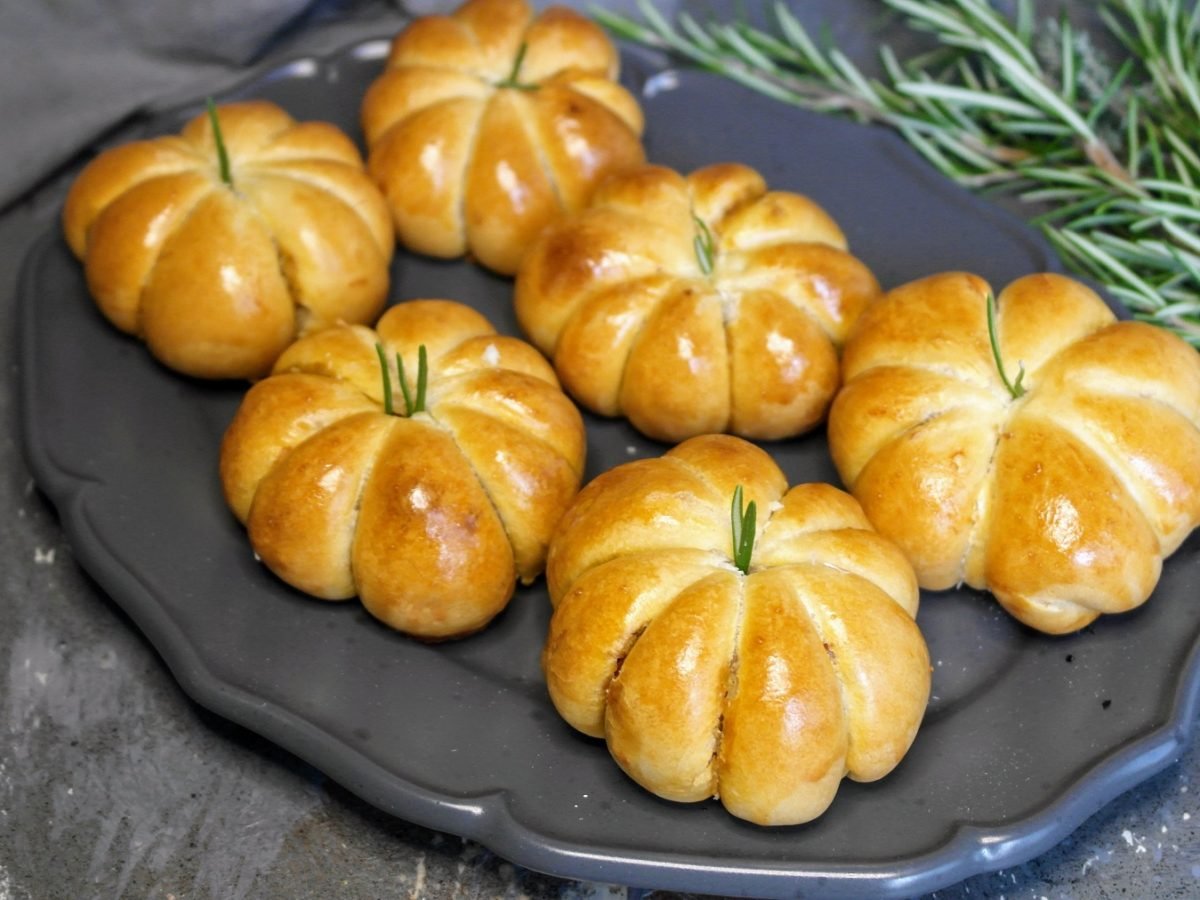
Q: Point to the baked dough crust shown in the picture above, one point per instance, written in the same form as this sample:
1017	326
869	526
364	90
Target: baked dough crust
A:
1063	503
765	689
470	165
429	519
217	280
618	297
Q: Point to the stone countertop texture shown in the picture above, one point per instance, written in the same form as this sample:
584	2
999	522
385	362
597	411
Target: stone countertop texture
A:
113	783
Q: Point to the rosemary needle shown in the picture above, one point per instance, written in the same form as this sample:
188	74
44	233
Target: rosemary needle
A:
1110	153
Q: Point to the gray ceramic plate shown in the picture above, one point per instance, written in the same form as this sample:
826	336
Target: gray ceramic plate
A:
1025	736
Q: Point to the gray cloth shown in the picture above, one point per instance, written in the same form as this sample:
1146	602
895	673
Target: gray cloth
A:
70	70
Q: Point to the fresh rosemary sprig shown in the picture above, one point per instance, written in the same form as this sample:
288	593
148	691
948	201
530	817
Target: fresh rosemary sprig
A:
1015	388
743	522
1113	156
412	403
513	79
219	139
703	245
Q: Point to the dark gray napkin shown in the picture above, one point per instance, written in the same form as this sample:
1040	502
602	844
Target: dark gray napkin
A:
71	70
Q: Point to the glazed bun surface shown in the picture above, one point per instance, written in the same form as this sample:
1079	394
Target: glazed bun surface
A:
431	518
1063	502
763	689
696	304
219	279
491	121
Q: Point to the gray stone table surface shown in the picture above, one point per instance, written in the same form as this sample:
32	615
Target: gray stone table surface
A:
114	784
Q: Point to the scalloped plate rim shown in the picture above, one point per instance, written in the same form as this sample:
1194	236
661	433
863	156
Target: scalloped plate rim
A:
971	849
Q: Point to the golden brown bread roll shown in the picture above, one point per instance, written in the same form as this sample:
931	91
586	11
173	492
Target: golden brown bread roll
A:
428	518
1062	502
489	122
765	689
643	318
219	279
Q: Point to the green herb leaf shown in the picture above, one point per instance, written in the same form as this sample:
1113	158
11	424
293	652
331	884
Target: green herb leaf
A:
513	80
1014	387
219	139
387	378
1106	145
408	400
412	403
743	522
703	245
422	380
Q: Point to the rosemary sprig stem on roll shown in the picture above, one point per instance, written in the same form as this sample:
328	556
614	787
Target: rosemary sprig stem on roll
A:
414	401
514	76
214	121
1032	107
422	379
743	520
1015	388
703	245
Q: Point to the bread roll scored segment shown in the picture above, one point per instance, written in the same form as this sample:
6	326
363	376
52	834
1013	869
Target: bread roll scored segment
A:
198	318
267	427
784	738
304	513
589	637
430	554
664	705
119	254
113	173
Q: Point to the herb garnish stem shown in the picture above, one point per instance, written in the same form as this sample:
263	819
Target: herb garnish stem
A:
512	81
703	245
219	139
387	379
408	400
1015	388
1104	141
743	523
422	379
412	404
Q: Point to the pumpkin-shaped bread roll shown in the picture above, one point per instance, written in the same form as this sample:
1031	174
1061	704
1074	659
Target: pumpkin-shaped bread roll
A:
1056	470
218	253
696	304
429	515
763	685
489	122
